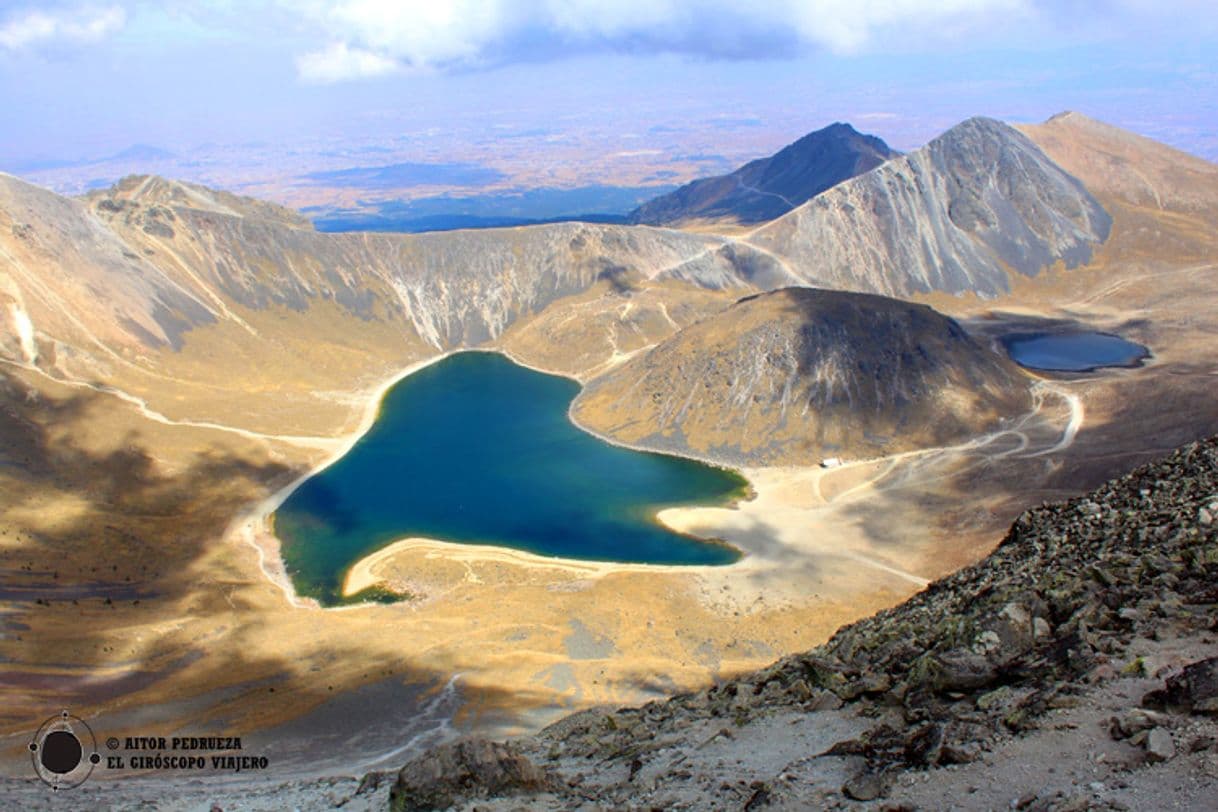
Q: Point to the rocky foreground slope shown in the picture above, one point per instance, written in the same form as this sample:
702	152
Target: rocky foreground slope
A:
1109	595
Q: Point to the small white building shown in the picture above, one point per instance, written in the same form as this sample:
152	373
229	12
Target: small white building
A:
830	462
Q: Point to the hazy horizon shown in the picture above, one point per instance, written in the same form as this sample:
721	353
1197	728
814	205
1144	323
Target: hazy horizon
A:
563	93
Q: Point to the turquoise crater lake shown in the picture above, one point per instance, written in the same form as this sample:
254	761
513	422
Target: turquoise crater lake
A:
477	449
1073	352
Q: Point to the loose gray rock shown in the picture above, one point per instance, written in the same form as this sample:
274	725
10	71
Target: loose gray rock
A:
963	671
1159	745
976	657
1133	723
1194	689
866	786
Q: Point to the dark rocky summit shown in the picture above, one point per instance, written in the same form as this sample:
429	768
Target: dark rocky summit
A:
770	187
977	658
800	374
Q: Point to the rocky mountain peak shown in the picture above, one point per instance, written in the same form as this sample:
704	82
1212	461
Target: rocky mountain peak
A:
769	187
148	191
1064	115
956	215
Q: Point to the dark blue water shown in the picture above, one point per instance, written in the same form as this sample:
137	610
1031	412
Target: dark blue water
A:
1073	352
477	449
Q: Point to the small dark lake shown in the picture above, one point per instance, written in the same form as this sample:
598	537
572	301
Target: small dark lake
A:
1073	352
479	450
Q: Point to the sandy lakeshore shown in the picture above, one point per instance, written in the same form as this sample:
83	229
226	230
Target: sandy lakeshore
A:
367	572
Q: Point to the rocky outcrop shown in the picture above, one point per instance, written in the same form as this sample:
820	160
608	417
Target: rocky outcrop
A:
770	187
463	771
145	192
1195	689
958	215
1069	583
796	375
75	280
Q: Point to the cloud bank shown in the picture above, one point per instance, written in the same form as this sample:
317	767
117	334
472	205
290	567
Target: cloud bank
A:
35	26
374	37
339	40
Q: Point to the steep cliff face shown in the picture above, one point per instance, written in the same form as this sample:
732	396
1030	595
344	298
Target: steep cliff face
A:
957	215
770	187
795	375
451	289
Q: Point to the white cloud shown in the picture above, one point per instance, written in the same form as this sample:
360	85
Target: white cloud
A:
371	34
847	26
36	27
363	37
377	36
340	62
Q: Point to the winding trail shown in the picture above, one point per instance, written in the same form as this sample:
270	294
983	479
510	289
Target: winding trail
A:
899	573
1126	281
914	468
927	456
304	441
780	261
742	185
435	717
1045	429
1077	414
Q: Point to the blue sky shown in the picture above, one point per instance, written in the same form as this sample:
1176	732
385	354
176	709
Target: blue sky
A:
83	79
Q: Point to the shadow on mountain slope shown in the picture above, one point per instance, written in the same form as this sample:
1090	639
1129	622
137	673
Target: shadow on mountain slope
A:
122	603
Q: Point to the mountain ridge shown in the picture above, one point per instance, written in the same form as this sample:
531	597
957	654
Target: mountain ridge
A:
976	203
770	187
953	229
156	260
155	190
1120	163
